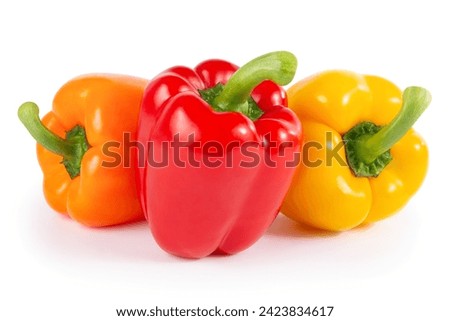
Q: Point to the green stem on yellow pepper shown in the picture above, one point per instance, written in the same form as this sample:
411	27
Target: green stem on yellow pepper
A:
368	145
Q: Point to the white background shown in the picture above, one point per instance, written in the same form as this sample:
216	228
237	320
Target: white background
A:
54	269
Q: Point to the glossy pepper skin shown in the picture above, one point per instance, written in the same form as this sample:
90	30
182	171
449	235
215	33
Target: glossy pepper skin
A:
326	192
200	209
99	109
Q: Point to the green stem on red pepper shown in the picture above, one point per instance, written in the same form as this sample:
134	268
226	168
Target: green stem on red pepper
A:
72	148
368	145
235	95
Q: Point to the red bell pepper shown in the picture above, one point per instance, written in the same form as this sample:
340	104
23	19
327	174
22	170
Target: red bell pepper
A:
218	144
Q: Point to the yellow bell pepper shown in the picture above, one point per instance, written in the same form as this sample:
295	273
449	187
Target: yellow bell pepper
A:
361	160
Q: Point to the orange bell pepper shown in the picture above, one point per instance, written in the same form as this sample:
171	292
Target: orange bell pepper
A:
88	112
